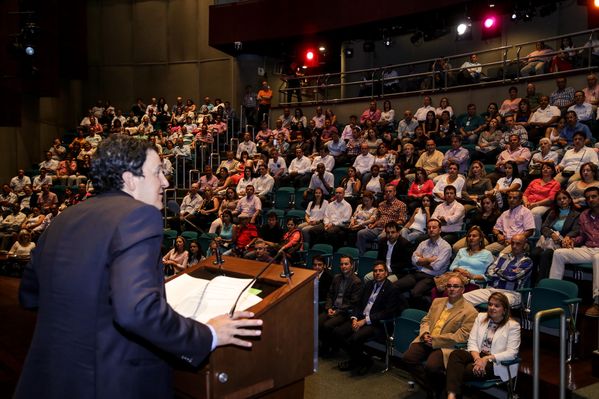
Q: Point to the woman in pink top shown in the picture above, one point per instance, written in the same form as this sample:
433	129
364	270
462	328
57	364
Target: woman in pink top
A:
540	193
176	259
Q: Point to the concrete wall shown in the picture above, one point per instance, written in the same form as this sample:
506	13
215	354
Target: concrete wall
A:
153	48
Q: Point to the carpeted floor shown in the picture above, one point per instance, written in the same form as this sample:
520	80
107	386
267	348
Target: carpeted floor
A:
330	383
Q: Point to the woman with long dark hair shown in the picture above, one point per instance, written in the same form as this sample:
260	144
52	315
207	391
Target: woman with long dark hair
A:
562	221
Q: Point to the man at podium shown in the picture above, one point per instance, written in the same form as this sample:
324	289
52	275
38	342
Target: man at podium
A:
104	327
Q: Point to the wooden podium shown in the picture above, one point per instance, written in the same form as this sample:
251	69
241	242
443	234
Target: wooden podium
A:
280	359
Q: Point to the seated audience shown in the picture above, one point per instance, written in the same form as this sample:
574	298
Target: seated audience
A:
194	255
431	160
389	209
451	178
485	217
545	156
509	273
313	221
447	323
343	296
457	154
589	177
336	218
583	248
249	205
540	193
23	246
562	221
471	262
569	167
175	261
364	214
430	259
511	181
414	230
516	220
352	185
378	303
393	252
477	184
470	124
494	338
451	215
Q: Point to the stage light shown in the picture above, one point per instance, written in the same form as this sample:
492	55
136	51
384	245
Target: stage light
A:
322	49
596	3
462	28
514	16
309	55
489	22
29	50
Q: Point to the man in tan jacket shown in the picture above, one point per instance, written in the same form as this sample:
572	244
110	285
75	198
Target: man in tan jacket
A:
447	323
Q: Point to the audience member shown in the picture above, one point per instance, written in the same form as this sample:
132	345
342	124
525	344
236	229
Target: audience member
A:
447	323
583	248
343	296
377	304
516	220
495	337
509	273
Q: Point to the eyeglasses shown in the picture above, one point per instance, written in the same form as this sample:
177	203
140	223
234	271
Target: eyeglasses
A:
456	286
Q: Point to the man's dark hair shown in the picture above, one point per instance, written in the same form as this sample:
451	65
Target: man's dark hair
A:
379	262
392	225
591	189
114	156
450	187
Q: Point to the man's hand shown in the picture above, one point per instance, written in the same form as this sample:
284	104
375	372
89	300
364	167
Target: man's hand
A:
427	339
357	324
227	328
567	242
331	312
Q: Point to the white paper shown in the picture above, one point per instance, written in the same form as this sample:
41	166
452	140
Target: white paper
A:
202	299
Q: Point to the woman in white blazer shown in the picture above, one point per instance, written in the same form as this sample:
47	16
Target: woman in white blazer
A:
494	338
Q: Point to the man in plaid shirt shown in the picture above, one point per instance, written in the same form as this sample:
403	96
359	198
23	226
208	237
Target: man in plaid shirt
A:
507	274
391	209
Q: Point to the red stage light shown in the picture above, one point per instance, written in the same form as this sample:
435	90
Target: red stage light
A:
489	22
309	55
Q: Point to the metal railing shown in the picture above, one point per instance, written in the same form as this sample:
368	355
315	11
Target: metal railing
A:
502	64
562	350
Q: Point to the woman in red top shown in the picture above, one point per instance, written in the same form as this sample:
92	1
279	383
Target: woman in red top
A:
421	186
540	193
292	240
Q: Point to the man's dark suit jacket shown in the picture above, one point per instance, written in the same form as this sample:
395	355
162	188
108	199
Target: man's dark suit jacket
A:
324	284
384	306
401	257
351	295
103	322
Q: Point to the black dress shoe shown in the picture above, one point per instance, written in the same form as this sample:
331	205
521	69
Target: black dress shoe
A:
345	365
365	367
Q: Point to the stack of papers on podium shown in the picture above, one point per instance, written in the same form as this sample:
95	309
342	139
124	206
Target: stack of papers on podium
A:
202	300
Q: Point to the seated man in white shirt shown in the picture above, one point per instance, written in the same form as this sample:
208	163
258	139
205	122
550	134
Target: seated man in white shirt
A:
336	218
299	170
451	215
363	163
263	184
450	178
247	145
191	202
325	158
421	112
277	167
322	179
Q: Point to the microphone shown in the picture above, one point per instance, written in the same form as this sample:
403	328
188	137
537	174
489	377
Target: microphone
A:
261	272
219	258
287	273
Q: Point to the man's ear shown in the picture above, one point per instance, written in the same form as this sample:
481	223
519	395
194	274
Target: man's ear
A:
129	181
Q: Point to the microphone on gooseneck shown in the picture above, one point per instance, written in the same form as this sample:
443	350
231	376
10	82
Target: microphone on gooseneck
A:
261	272
287	273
